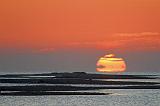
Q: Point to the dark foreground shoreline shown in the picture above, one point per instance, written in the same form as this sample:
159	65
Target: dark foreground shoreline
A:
66	83
61	90
50	93
72	88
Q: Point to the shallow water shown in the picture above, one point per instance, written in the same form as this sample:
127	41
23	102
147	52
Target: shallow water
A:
118	97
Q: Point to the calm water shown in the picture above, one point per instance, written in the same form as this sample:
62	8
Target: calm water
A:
122	97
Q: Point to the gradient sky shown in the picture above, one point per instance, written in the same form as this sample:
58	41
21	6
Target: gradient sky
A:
46	35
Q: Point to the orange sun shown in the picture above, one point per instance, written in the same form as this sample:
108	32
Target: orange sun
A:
109	63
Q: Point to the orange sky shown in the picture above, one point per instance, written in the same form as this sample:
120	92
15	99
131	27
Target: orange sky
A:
47	24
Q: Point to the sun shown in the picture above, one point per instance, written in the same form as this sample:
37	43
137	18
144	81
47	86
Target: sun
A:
109	63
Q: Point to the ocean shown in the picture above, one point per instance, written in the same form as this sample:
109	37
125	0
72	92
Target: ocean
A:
116	97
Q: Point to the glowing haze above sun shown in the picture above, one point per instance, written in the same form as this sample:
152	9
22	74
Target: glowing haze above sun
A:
110	63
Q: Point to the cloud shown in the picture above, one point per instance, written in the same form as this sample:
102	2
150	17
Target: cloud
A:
97	44
124	41
143	40
44	50
137	34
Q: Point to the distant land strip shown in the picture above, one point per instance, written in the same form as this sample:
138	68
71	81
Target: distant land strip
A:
79	75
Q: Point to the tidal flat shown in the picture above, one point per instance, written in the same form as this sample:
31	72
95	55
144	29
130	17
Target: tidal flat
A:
76	83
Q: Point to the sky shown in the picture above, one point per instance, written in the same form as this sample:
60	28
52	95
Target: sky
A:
71	35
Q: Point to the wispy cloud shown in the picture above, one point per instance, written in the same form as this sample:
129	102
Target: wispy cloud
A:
137	34
44	50
131	41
